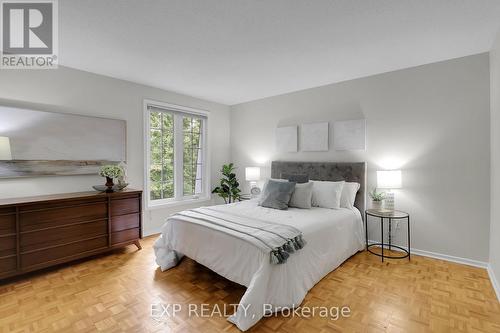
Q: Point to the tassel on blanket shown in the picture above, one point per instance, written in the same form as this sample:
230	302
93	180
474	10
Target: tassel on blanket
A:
274	257
279	256
288	247
282	253
298	242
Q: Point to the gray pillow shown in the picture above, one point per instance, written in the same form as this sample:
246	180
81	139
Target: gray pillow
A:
296	178
302	196
262	197
277	194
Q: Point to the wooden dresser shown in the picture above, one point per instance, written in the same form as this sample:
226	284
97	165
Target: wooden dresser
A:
38	232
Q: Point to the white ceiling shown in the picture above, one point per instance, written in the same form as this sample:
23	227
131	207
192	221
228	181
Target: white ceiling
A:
233	51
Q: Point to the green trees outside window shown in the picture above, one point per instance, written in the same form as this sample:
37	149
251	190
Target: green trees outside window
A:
162	154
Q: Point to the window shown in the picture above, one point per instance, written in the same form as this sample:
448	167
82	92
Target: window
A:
161	167
193	166
175	153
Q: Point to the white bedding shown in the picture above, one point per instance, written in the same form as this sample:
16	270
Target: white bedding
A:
332	237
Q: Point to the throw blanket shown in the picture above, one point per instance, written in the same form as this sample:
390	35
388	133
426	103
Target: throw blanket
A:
337	233
280	240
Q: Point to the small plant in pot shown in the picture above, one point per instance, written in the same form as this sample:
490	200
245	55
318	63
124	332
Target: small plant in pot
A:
111	172
229	185
377	198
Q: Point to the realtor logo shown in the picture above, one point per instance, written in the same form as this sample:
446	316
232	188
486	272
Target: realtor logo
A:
28	34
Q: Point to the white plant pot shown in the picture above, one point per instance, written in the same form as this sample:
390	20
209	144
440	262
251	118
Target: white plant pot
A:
377	204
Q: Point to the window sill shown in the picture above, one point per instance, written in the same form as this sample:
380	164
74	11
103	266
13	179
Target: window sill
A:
174	203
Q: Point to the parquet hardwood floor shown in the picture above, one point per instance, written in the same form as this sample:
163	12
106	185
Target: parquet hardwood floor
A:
114	293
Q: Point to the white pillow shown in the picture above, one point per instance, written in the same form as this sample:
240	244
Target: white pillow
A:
348	196
327	194
302	196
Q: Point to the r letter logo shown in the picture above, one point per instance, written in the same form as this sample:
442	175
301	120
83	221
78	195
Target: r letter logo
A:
28	34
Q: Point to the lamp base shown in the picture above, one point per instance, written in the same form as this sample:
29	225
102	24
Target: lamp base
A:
389	202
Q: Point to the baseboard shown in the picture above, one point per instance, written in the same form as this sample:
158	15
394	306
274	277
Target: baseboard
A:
494	281
458	260
152	231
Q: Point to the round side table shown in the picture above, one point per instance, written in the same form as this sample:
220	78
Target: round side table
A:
390	216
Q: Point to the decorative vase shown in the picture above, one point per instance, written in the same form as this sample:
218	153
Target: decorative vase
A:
109	184
377	205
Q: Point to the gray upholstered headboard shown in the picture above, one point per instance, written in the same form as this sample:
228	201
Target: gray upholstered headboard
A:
331	171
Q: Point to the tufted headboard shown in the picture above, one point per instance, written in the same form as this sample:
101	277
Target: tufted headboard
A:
330	171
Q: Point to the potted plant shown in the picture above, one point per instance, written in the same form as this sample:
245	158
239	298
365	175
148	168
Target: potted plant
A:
229	185
111	172
377	198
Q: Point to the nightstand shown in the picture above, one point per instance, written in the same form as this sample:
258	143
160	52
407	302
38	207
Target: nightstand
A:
390	216
245	197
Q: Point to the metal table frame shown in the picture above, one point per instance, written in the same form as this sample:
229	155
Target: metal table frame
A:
390	217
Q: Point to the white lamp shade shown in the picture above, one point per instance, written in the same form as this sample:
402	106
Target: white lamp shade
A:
252	174
389	179
5	153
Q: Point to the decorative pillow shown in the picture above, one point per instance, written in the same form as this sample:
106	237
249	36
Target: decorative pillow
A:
348	196
302	196
296	178
277	194
261	197
327	194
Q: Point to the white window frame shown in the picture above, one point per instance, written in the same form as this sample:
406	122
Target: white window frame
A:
179	197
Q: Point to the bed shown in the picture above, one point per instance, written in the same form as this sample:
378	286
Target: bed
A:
332	235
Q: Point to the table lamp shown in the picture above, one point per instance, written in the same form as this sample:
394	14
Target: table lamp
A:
5	153
252	174
389	179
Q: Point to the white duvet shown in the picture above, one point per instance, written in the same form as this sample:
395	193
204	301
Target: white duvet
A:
332	237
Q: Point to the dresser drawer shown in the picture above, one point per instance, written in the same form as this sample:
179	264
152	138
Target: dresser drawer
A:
7	246
125	206
62	252
40	239
8	264
54	217
7	210
124	236
8	224
42	231
61	204
124	222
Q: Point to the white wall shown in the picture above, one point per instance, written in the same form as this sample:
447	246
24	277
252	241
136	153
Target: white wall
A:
431	121
73	91
495	161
